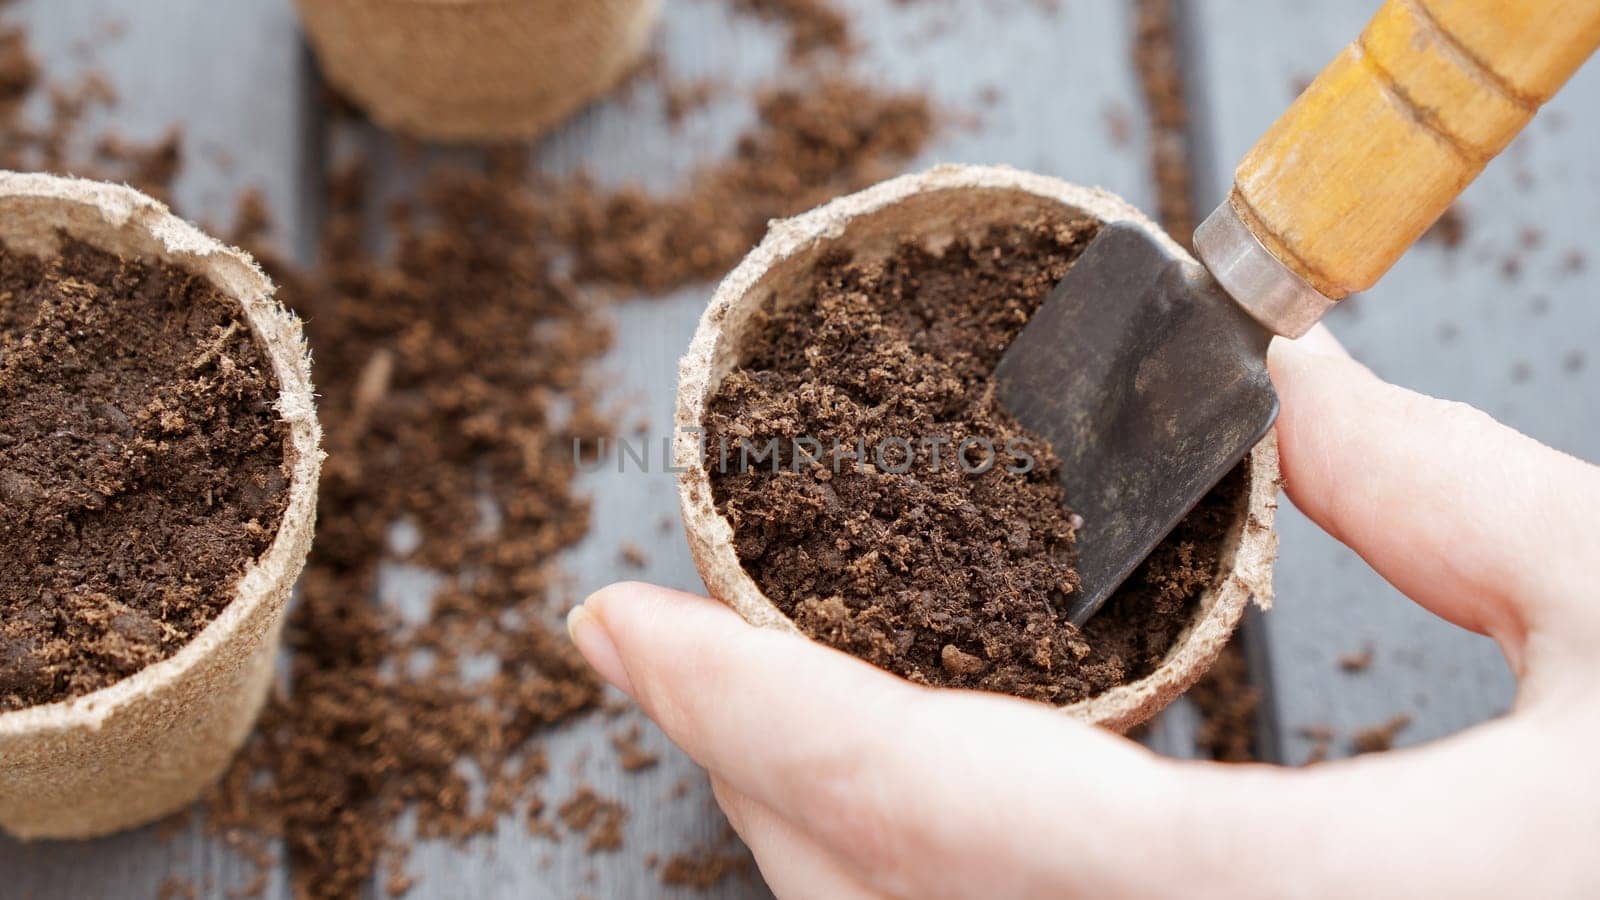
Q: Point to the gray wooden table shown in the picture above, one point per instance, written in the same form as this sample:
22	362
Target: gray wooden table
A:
1061	99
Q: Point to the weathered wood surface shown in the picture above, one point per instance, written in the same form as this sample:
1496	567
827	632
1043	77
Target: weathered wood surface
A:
1052	91
235	78
1494	323
933	49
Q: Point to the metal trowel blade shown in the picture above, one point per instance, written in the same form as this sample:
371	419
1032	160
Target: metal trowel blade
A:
1150	383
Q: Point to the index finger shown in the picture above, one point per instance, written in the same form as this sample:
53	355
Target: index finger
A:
1482	525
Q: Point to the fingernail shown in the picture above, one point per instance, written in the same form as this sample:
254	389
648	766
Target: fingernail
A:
589	634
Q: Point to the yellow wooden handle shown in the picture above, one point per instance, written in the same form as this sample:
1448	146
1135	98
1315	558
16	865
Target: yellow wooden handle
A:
1398	125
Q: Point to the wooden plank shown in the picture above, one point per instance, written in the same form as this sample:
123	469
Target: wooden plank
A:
1453	323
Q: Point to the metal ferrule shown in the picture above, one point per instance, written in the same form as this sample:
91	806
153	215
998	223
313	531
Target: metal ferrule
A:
1265	288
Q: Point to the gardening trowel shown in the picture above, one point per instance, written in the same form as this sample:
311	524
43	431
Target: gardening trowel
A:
1148	372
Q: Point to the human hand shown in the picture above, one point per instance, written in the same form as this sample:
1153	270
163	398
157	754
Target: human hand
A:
847	782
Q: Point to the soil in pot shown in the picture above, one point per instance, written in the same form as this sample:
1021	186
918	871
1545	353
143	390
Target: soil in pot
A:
141	466
927	563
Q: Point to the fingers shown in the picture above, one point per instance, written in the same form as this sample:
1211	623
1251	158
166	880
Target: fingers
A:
917	792
1480	524
792	864
885	774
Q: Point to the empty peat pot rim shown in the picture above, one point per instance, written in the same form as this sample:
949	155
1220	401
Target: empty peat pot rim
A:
936	207
476	71
73	768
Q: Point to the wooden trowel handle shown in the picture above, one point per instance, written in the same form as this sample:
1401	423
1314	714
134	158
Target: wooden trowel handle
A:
1398	125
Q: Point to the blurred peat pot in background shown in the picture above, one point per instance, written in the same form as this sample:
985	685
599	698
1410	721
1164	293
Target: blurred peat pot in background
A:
476	70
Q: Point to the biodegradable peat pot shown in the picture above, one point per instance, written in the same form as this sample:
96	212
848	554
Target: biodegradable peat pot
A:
150	743
476	70
935	207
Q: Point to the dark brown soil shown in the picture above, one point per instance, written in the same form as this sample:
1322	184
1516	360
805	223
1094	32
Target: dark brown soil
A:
429	413
1379	738
1358	661
703	869
141	466
943	576
630	755
598	819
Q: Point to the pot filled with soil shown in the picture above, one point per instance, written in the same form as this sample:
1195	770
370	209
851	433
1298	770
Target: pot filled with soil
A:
159	452
476	70
848	473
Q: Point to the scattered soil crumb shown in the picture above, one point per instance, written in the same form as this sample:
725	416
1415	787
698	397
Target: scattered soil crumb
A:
1157	59
174	825
632	555
681	99
19	71
177	887
597	818
1321	737
703	869
253	220
396	881
1119	125
813	25
808	146
1379	738
420	430
1359	661
940	575
134	400
1228	703
630	755
149	167
1450	229
53	144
